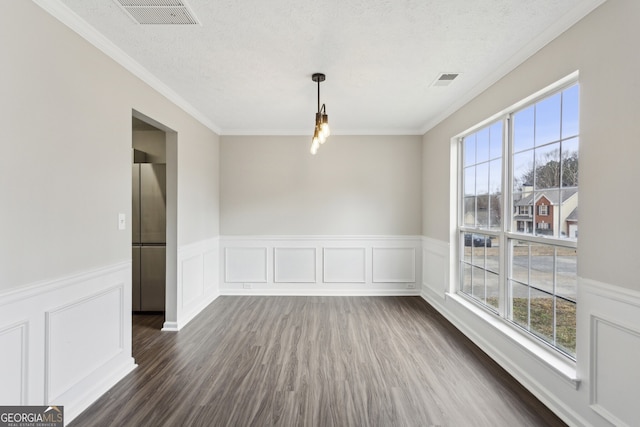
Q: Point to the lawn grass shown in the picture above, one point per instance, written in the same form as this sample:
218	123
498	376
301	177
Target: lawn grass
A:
542	320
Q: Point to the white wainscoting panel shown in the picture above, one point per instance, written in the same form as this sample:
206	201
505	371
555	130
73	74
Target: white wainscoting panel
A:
13	364
197	281
295	265
344	265
245	265
435	266
615	368
393	265
210	275
192	279
610	340
69	357
320	265
67	340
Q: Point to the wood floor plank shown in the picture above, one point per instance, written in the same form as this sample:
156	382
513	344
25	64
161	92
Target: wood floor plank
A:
313	361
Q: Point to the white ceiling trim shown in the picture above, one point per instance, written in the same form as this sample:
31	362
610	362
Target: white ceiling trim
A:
547	36
309	132
69	18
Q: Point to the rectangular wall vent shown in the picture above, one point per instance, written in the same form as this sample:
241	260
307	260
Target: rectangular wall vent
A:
445	79
159	12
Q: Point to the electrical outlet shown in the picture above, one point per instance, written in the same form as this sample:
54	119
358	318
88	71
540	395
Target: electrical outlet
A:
411	285
246	285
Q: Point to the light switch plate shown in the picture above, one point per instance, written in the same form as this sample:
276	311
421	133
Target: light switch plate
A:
122	221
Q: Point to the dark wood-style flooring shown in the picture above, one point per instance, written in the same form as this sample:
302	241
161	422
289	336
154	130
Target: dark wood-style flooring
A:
313	361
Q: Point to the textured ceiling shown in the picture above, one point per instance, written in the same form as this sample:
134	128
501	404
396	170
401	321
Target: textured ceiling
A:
247	68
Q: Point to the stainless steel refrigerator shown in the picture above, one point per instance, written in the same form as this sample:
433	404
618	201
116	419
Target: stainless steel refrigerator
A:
149	236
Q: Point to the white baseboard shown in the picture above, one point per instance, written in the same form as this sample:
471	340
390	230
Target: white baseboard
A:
170	327
94	391
324	292
194	310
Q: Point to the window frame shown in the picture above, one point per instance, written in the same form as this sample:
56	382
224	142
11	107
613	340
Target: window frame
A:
546	210
508	231
463	229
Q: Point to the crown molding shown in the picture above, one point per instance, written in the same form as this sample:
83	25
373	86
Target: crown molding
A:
72	20
309	132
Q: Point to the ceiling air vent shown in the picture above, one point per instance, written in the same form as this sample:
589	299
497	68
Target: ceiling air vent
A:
159	12
445	79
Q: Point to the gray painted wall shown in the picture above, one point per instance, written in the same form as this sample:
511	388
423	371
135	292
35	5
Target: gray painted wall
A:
354	185
65	111
602	48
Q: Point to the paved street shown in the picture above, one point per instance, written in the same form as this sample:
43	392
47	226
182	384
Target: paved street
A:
539	274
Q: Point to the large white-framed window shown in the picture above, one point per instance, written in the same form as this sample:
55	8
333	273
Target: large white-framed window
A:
517	222
481	211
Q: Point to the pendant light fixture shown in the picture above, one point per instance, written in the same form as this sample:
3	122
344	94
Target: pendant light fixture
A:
321	131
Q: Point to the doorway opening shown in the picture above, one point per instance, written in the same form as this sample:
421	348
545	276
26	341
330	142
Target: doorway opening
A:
149	218
154	242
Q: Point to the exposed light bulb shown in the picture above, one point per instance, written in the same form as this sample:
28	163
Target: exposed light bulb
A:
315	142
321	137
324	130
324	127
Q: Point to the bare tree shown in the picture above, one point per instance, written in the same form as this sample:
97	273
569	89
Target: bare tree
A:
550	173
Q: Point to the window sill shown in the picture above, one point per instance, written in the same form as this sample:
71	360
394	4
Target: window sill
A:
562	365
